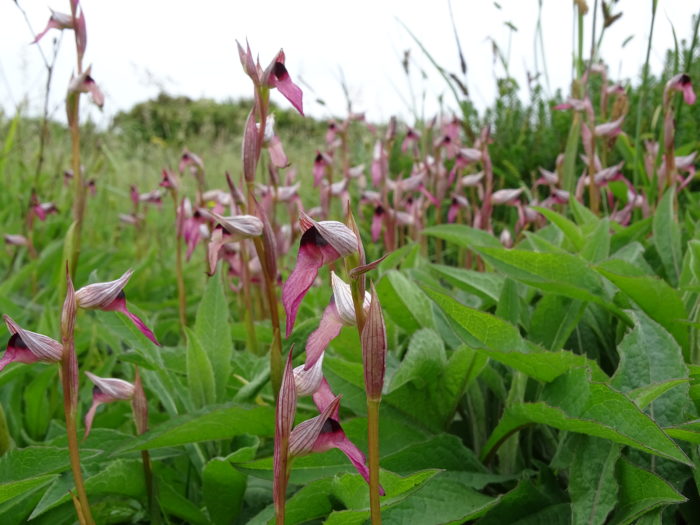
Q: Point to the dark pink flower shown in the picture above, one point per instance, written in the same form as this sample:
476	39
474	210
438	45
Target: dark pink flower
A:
682	83
321	163
110	297
29	347
321	243
324	432
84	83
106	390
377	222
277	76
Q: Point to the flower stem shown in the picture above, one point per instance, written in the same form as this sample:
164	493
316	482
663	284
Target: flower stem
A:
178	270
373	450
69	378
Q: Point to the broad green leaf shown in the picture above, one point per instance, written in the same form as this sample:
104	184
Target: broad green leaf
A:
442	499
558	273
645	395
582	215
640	492
554	319
461	235
484	284
574	403
501	341
36	402
208	424
200	375
597	244
528	504
427	386
309	503
213	331
508	307
404	302
689	432
570	154
443	451
423	363
636	232
351	489
120	476
649	355
32	462
667	237
592	483
178	505
567	227
654	296
18	488
223	488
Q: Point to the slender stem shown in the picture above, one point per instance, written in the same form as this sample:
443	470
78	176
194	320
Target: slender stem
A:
79	187
642	99
276	347
69	376
373	450
178	270
248	301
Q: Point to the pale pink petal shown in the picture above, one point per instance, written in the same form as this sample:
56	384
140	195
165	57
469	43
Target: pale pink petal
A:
328	329
119	305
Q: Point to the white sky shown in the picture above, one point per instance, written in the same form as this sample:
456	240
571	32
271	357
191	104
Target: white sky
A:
189	48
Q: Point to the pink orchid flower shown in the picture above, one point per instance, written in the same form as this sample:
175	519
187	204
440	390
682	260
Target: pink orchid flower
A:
321	243
29	347
110	297
106	390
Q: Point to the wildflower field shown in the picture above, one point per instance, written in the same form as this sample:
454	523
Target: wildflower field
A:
230	313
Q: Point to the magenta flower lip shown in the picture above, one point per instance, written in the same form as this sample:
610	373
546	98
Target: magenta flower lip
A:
110	297
28	347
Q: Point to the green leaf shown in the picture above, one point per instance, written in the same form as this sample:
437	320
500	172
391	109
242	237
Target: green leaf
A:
597	244
484	284
19	488
527	504
214	334
567	227
461	235
404	302
592	483
501	341
200	375
223	488
649	356
443	451
640	492
120	476
427	387
582	215
208	424
654	296
667	237
554	319
558	273
689	432
444	498
172	502
570	153
574	403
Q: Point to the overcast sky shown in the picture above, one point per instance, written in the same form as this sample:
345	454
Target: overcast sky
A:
138	47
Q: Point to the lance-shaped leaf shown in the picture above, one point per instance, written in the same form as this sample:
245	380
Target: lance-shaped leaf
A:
574	403
374	349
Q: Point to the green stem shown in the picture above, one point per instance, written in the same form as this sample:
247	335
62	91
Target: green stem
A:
642	98
69	376
373	453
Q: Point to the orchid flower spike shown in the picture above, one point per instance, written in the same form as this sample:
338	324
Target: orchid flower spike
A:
110	297
29	347
106	390
322	242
